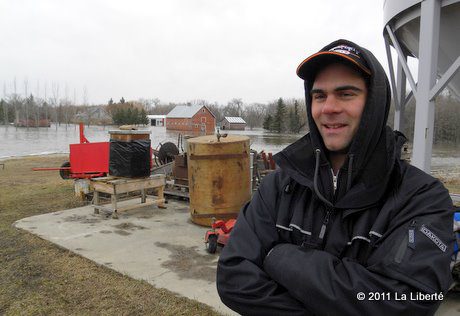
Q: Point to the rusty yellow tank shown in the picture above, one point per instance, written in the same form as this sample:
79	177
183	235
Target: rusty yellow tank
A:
219	177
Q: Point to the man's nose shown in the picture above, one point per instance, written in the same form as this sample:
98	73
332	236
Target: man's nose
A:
331	105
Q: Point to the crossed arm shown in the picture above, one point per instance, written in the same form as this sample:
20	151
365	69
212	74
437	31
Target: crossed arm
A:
295	281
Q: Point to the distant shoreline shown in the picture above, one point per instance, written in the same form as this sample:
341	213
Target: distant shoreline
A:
4	158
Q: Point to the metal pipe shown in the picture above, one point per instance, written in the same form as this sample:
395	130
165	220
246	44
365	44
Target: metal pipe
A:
442	83
401	55
428	60
83	139
392	73
399	123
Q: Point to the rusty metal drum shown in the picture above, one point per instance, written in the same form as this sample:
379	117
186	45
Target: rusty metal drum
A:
219	177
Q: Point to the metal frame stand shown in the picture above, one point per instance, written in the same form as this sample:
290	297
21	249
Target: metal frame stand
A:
427	89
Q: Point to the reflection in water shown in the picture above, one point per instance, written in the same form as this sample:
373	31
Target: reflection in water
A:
35	141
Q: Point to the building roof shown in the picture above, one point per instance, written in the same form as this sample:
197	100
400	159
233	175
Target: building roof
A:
95	112
185	111
235	119
154	116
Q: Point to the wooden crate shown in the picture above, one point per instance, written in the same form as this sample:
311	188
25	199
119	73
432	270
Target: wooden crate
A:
128	136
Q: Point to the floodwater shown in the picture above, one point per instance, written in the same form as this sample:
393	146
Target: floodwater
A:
17	142
38	141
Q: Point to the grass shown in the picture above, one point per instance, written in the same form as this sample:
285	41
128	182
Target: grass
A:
39	278
453	185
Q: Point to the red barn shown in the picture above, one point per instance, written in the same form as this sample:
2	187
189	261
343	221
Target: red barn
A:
191	118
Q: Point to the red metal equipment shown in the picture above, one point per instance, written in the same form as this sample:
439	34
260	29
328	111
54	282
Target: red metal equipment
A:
269	162
83	139
87	160
219	234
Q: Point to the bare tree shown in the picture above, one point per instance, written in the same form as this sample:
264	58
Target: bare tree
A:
85	104
37	105
234	107
55	101
70	107
5	105
45	103
239	105
155	101
217	111
85	96
26	103
15	103
254	115
149	104
66	105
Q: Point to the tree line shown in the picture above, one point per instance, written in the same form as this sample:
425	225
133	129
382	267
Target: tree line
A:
286	117
446	122
30	111
283	115
280	116
127	113
34	112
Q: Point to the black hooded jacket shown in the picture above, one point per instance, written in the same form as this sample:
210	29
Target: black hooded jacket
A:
299	248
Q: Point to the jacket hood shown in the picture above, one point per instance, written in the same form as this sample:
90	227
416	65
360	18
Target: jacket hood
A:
371	154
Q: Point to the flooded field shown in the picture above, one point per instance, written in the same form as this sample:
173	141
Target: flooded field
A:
35	141
16	142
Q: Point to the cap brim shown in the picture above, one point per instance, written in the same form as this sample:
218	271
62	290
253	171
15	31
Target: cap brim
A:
308	68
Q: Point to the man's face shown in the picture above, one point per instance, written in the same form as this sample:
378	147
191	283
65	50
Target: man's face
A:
338	97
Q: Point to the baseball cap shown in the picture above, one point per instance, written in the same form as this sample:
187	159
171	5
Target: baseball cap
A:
341	53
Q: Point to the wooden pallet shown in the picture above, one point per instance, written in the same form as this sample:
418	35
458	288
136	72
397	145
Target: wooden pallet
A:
177	190
115	187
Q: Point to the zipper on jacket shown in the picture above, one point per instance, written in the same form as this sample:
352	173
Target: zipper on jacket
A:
411	240
334	180
407	242
325	222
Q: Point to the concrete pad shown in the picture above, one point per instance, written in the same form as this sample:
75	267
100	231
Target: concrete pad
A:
160	246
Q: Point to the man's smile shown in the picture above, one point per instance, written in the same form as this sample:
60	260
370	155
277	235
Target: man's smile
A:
334	128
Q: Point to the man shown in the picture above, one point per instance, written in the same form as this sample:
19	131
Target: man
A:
344	226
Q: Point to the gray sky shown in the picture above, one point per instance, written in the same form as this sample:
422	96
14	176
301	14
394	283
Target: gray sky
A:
175	50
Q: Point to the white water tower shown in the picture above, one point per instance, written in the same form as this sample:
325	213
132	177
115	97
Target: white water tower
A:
430	31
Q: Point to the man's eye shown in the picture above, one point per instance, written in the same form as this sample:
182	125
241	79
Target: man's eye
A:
318	96
346	94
